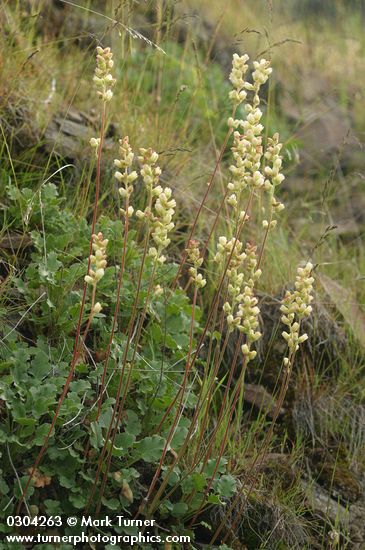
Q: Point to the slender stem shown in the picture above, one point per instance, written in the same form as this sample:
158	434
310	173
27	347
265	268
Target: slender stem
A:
207	400
259	459
91	314
177	415
124	396
76	349
223	442
196	354
124	363
116	311
206	455
264	242
200	454
207	362
224	401
120	385
207	191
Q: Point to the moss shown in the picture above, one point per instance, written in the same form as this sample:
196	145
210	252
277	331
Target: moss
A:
279	473
342	480
334	473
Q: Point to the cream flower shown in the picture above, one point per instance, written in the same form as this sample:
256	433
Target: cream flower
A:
160	210
97	260
103	78
193	255
241	309
295	307
124	175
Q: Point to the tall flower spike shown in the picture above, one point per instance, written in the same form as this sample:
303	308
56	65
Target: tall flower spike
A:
242	312
295	307
272	154
248	310
247	146
124	175
241	307
273	177
151	175
103	78
149	171
97	260
259	76
161	206
162	224
195	258
247	154
239	69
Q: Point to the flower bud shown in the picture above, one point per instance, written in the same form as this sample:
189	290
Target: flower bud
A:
97	308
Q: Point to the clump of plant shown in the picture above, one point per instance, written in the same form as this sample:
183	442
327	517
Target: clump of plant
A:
122	396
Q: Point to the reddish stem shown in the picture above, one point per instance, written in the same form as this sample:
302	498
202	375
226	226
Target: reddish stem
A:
196	354
209	186
120	384
182	391
116	311
76	349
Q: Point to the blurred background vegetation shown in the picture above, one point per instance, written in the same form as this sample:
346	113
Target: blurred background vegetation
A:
175	99
172	64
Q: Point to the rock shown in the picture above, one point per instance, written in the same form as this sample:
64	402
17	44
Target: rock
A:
14	241
349	518
323	125
346	303
357	525
258	396
324	134
321	502
69	133
58	19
